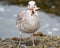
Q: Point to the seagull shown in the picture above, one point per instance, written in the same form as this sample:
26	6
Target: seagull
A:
28	21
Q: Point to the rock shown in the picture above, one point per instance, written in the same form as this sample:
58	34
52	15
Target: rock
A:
39	34
41	41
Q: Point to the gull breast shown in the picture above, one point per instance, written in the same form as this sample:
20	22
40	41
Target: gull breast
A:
27	23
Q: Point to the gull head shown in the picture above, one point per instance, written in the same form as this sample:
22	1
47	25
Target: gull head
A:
32	6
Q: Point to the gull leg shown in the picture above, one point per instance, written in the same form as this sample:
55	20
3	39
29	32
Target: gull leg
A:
20	39
32	40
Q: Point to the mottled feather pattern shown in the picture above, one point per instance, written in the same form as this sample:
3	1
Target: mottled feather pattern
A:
27	23
19	17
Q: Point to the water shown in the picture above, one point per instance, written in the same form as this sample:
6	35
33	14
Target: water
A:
50	23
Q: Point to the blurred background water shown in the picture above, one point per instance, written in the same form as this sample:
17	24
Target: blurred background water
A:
50	23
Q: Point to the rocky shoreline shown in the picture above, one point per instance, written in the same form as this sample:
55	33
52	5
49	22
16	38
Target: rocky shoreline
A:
41	41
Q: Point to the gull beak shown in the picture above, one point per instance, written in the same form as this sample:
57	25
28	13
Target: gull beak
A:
36	8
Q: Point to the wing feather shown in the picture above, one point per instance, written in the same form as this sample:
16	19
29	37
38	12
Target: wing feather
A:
19	17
